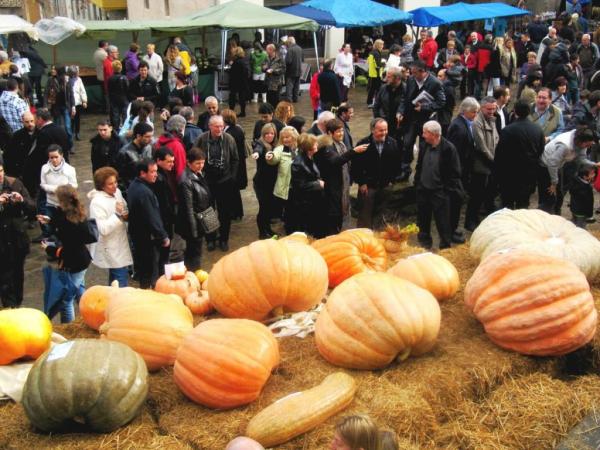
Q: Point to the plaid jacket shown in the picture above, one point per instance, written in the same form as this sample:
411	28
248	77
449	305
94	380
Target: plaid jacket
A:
12	108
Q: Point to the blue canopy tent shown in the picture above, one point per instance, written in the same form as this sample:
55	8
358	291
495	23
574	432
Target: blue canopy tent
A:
348	13
434	16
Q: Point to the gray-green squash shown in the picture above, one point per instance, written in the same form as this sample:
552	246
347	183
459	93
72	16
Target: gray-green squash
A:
100	383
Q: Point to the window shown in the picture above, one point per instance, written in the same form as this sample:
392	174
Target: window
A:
147	4
167	9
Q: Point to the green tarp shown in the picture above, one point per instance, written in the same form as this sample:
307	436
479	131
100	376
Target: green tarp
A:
237	14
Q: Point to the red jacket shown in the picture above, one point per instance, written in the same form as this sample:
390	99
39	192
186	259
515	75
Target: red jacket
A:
428	51
108	71
176	146
315	91
483	59
470	62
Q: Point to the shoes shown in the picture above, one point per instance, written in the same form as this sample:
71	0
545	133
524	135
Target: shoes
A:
425	245
224	246
404	176
457	238
371	105
211	246
590	220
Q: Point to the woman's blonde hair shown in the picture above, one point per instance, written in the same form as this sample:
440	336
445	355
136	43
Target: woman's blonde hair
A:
281	113
264	130
291	131
359	432
306	142
70	204
378	44
389	440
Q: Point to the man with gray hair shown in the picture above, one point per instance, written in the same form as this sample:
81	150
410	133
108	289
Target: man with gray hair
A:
192	131
429	49
221	168
388	100
482	188
113	55
172	138
460	133
293	69
588	55
437	176
318	127
212	109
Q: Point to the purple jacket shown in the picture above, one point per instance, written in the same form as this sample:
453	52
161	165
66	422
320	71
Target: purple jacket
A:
131	65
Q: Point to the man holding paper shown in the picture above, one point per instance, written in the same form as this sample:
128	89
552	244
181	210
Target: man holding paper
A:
424	96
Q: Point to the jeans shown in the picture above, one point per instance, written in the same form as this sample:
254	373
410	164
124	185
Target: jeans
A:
67	306
48	228
64	119
120	274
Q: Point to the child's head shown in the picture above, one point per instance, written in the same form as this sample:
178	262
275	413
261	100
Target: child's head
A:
587	172
356	432
388	440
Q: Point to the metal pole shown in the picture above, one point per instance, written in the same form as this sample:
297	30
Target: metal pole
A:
316	49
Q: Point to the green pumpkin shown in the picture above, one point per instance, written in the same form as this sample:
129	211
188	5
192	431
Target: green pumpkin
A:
99	383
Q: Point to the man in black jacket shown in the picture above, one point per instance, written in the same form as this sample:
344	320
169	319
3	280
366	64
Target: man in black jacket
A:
105	146
516	159
166	195
293	69
144	87
35	74
146	228
329	86
413	113
129	155
375	169
436	176
345	113
461	135
192	132
20	144
221	170
388	100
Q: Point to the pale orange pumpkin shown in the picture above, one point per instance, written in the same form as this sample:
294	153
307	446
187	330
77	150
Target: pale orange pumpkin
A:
198	302
372	318
532	304
93	304
351	252
181	287
297	236
429	271
254	280
151	323
225	363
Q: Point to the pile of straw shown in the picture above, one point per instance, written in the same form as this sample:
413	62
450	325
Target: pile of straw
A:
466	393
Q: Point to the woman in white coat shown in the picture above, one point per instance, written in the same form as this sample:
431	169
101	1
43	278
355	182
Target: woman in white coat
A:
108	207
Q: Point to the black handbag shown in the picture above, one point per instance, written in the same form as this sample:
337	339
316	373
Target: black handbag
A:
91	232
208	220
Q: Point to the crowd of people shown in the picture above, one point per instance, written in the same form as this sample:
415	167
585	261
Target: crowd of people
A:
527	118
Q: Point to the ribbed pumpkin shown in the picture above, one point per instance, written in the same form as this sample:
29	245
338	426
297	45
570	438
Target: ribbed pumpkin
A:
351	252
532	304
93	304
538	232
372	318
429	271
181	287
101	384
225	363
151	323
198	303
297	236
253	280
24	333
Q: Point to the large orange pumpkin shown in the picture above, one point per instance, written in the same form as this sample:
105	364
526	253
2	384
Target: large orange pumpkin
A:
181	286
252	281
351	252
225	363
24	333
151	323
372	318
429	271
532	304
93	304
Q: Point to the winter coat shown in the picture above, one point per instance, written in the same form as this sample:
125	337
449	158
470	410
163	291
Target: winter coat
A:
195	197
484	53
229	160
561	150
112	250
293	61
387	103
239	136
128	156
375	170
145	223
429	49
71	247
186	94
265	175
329	88
239	81
147	88
307	196
132	64
431	85
14	241
190	135
274	79
486	139
118	90
51	178
449	166
176	145
104	153
282	158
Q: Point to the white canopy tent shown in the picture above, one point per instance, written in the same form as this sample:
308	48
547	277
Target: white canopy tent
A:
10	24
54	31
